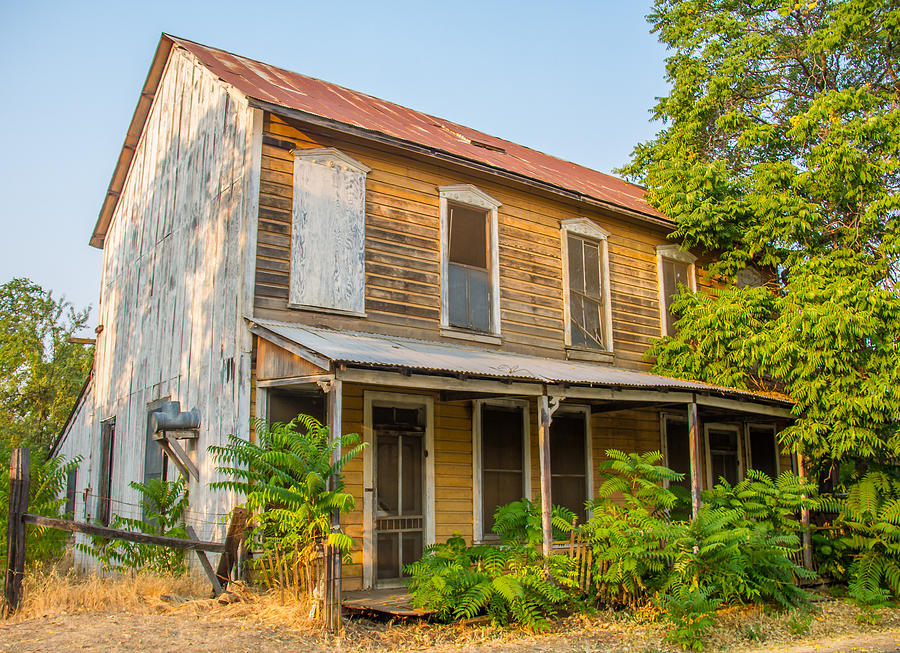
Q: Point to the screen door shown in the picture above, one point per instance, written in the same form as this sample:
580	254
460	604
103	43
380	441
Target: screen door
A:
399	489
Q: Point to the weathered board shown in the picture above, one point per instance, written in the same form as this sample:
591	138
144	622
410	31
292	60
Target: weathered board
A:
177	279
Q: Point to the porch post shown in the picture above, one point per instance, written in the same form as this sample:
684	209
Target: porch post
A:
694	451
546	407
804	518
333	562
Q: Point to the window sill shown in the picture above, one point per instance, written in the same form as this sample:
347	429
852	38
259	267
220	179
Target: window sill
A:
593	355
461	334
322	309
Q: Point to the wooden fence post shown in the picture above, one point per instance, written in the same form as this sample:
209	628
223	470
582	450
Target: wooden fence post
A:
19	482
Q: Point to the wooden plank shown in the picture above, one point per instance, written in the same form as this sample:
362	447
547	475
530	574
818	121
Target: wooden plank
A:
118	534
233	539
204	562
19	483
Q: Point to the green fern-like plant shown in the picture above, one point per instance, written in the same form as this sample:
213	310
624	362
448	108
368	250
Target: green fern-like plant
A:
520	521
46	497
630	531
164	504
870	517
284	477
689	608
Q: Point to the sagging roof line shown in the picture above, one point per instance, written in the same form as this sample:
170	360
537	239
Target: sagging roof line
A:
335	107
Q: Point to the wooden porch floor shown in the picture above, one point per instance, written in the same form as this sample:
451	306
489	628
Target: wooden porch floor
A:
395	602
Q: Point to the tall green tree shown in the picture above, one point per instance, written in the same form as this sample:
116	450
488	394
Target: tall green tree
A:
41	370
781	149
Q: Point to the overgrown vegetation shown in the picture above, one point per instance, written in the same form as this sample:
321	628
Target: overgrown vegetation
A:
505	581
163	504
48	480
284	476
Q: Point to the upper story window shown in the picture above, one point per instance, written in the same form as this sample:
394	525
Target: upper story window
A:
470	279
675	268
586	278
328	233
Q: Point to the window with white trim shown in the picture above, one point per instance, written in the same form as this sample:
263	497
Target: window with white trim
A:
470	279
586	280
675	268
501	460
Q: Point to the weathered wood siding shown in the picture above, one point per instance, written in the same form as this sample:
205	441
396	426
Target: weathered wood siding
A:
403	257
177	279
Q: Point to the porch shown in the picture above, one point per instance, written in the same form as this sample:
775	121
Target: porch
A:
455	431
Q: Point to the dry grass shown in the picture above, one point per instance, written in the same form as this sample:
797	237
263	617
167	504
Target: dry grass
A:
53	593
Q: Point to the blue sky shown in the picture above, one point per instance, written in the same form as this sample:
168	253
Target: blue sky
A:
573	79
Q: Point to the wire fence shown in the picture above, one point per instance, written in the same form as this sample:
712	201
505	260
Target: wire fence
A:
200	520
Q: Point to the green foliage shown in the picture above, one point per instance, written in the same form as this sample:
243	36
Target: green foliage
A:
689	608
505	582
632	535
870	519
284	476
164	504
46	497
781	150
41	372
520	521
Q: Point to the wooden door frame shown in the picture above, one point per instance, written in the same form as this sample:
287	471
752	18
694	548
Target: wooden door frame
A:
397	399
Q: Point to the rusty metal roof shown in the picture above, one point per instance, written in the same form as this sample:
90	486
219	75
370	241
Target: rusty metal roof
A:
381	351
276	88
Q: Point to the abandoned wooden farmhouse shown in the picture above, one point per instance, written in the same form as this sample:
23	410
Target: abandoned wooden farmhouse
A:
478	311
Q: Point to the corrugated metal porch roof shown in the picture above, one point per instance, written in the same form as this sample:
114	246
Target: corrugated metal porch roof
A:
381	351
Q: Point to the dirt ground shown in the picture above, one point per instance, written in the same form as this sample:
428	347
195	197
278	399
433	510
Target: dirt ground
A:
161	633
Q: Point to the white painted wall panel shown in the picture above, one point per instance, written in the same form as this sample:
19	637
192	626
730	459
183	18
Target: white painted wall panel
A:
173	295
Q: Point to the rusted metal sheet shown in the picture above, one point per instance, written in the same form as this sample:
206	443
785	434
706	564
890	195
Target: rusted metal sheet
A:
369	349
284	88
298	92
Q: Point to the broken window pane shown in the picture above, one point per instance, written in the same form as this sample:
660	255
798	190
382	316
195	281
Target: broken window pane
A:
585	300
468	236
675	273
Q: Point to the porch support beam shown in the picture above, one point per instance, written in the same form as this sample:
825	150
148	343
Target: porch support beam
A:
546	406
694	451
804	518
333	561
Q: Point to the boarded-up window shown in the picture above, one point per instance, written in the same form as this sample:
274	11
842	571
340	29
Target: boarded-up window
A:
763	449
502	460
104	483
678	452
469	268
568	462
674	273
724	456
328	232
585	293
71	485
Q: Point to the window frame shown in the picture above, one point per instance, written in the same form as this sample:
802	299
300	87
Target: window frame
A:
672	253
588	449
478	535
738	431
587	229
105	470
749	450
470	196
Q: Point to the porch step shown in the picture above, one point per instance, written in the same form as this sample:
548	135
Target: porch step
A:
394	602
